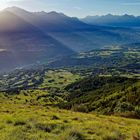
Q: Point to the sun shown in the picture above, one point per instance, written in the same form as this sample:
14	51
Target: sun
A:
3	4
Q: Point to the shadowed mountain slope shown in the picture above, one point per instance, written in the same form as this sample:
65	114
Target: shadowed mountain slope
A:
21	43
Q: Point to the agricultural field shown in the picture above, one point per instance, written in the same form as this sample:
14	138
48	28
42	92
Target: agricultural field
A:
58	78
38	79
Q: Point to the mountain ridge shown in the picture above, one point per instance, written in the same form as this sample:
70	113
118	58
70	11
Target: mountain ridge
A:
24	44
113	20
30	37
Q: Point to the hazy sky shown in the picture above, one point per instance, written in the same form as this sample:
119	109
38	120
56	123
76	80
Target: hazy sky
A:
79	8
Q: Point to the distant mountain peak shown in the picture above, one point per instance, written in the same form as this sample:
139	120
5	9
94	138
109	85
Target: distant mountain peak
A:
52	13
109	15
14	8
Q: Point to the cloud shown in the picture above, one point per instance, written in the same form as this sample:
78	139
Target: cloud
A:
77	8
13	0
131	3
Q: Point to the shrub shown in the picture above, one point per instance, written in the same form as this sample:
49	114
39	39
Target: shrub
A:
65	121
124	107
137	112
80	108
54	117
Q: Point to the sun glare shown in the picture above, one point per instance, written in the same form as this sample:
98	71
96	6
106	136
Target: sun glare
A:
4	4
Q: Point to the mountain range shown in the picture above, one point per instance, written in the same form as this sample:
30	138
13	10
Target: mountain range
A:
34	37
113	20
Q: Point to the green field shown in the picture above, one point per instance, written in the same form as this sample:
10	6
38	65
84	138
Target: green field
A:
58	78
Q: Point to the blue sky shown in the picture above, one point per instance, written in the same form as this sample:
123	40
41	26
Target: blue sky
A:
79	8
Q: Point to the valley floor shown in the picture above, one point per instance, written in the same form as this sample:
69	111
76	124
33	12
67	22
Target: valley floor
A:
33	122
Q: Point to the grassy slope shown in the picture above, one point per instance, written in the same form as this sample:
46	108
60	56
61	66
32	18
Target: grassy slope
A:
28	122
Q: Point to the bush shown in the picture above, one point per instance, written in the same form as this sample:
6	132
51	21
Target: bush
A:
124	107
137	112
80	108
54	117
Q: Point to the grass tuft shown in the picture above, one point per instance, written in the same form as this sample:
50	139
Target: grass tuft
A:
136	136
72	134
45	127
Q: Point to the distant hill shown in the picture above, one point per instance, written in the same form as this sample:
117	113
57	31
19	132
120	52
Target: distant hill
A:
113	20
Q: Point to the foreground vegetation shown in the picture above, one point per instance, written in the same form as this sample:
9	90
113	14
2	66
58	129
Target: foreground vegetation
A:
33	122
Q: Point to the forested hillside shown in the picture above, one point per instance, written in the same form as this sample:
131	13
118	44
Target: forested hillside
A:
109	95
